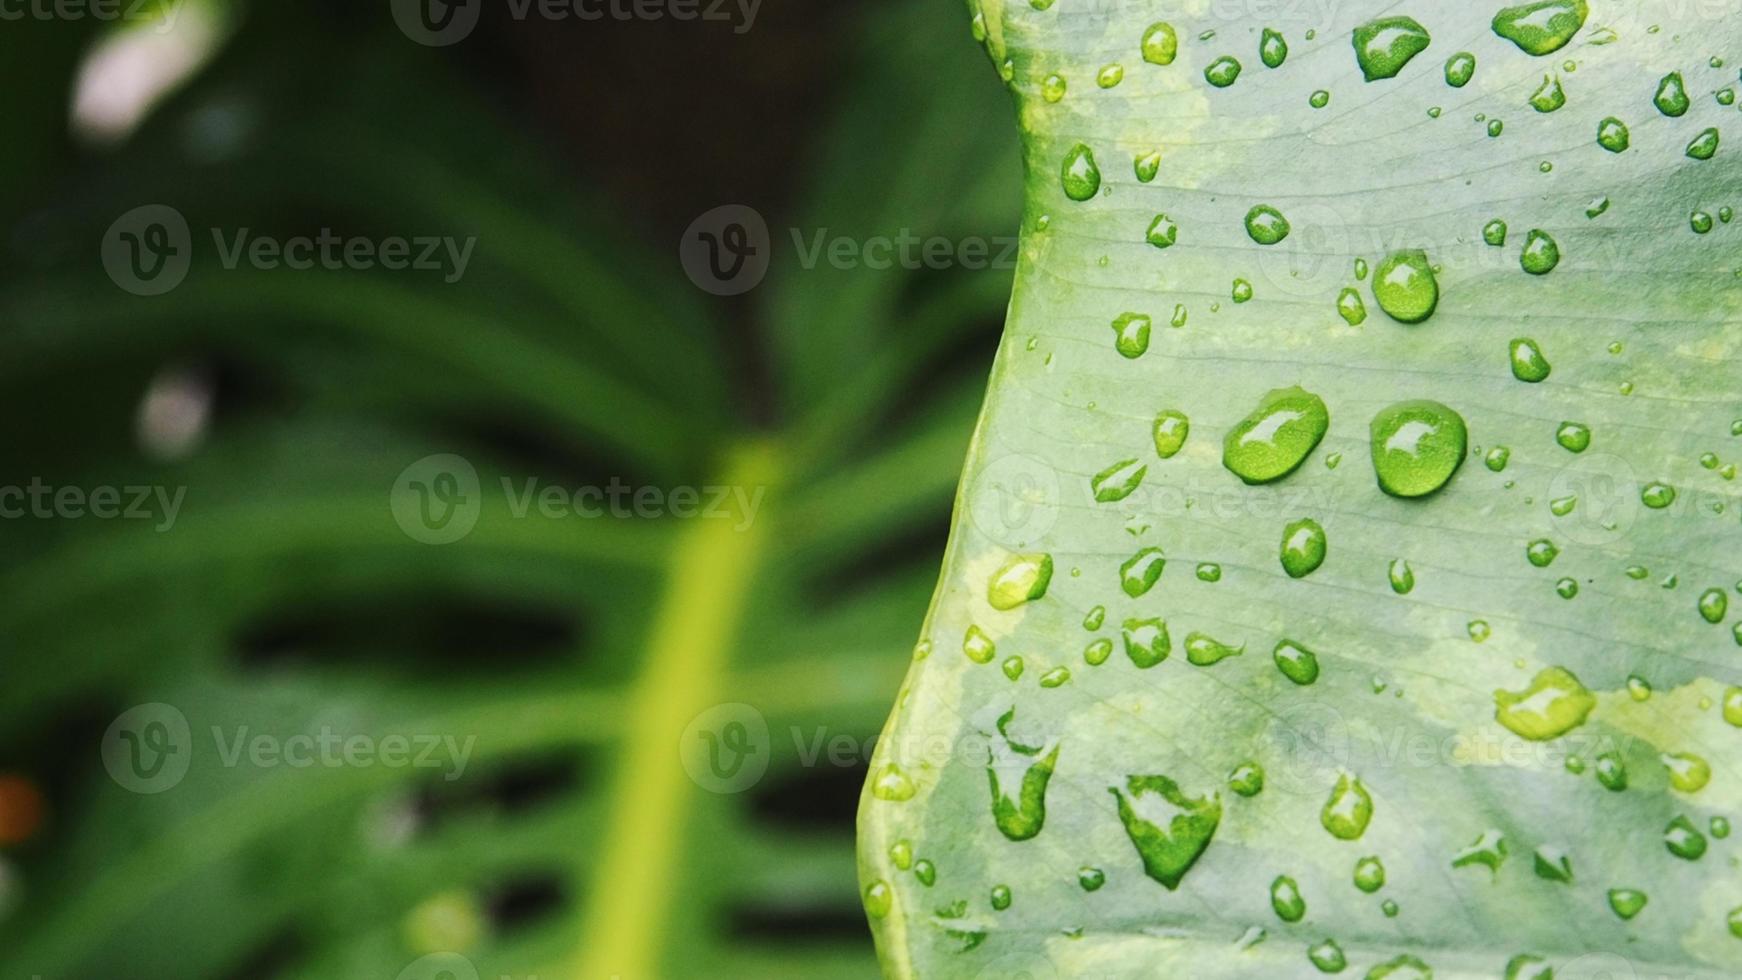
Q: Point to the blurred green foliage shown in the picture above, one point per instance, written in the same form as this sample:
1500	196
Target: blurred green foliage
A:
286	600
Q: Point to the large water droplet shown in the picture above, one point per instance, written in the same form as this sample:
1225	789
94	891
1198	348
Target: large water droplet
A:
1286	900
1543	27
1417	446
1384	46
1080	175
1169	829
1541	253
1131	335
1277	436
1303	547
1141	571
1170	431
1348	810
1555	703
1118	481
1023	578
1405	286
1266	225
1146	642
1160	44
1296	662
1018	774
1672	96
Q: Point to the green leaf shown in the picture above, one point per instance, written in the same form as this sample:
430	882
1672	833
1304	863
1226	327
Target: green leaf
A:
1314	811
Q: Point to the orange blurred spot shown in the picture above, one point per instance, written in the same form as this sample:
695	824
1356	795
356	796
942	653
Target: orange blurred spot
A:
20	810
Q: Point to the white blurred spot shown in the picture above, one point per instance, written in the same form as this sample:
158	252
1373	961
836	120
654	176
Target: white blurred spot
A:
133	68
175	413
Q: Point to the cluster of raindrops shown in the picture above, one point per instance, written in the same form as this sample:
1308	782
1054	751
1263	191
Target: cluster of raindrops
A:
1417	448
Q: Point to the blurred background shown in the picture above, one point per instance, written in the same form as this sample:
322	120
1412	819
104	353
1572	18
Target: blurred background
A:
522	605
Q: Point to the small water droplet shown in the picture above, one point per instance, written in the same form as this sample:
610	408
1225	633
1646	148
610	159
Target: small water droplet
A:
1567	588
1351	308
1319	99
1147	165
1613	135
1017	774
1541	253
879	899
1348	810
893	784
1146	642
1131	335
1209	572
1460	68
1489	850
1542	552
1552	864
1657	496
1023	578
1247	779
1369	874
1549	96
1091	879
1494	233
1497	458
901	854
1286	900
1688	773
1704	146
1000	897
1012	667
1242	291
1672	96
977	646
1328	957
1303	548
1118	481
1296	662
1402	577
1478	629
1079	175
1223	72
1162	233
1683	840
1627	902
1574	437
1272	49
1266	225
1204	650
1110	75
1141	571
